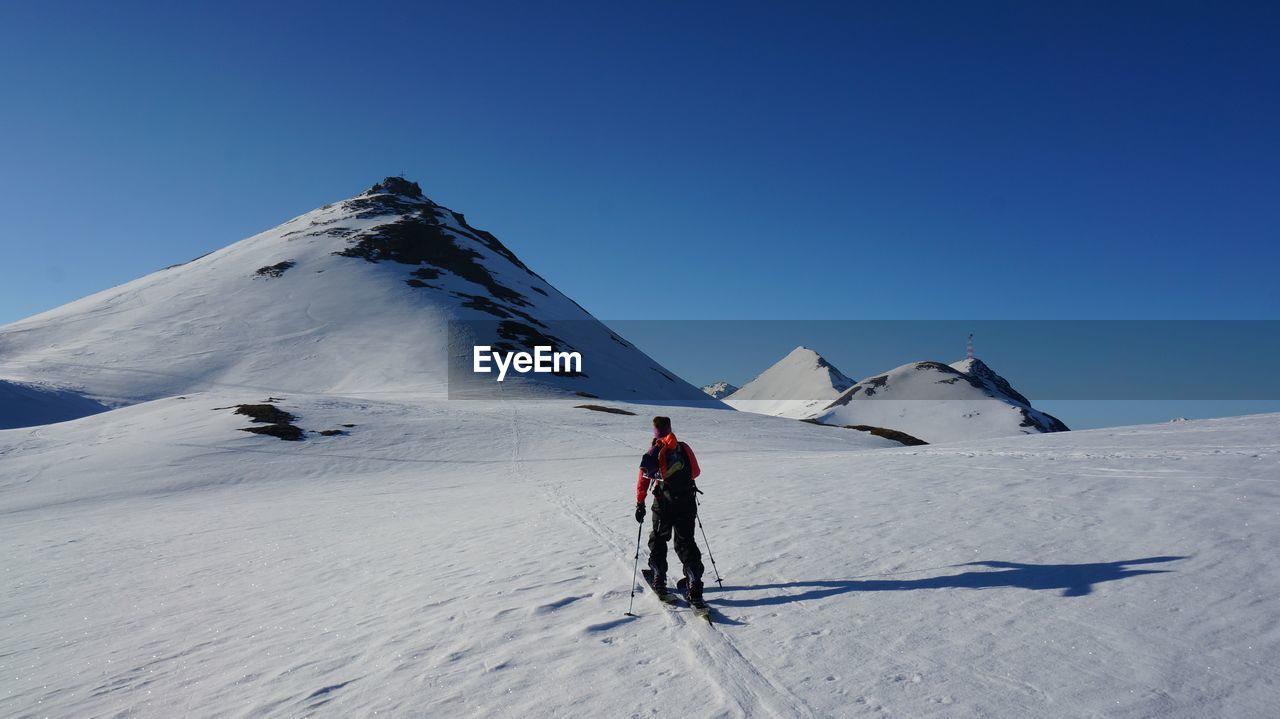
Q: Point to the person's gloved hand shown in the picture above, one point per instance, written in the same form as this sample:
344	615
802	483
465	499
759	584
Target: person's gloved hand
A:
640	512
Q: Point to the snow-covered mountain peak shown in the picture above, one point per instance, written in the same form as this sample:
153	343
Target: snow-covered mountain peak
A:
804	360
378	293
804	357
937	402
396	186
795	386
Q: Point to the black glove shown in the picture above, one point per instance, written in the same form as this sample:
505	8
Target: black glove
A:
640	512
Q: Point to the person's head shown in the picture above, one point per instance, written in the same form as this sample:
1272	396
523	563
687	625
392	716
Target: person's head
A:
661	426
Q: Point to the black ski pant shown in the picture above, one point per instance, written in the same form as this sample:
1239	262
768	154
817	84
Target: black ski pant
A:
675	517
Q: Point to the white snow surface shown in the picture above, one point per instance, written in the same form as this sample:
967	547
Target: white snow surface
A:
474	558
796	386
328	323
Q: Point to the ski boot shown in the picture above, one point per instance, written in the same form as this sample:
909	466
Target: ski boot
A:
692	591
657	581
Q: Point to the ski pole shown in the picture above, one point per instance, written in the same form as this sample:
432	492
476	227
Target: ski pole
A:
633	571
639	531
704	540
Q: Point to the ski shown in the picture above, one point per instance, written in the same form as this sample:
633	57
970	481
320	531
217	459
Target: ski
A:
664	597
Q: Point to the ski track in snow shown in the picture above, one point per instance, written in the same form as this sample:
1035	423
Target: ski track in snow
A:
738	680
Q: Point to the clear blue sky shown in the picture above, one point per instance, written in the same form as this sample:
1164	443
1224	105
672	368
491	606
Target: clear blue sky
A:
935	160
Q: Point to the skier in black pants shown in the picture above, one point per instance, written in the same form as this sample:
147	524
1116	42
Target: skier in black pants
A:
671	468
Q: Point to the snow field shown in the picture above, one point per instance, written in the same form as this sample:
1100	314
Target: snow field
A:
475	559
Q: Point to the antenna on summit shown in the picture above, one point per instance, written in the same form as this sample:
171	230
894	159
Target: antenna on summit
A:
969	346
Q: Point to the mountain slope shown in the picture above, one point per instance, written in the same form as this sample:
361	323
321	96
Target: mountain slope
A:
794	386
940	403
355	297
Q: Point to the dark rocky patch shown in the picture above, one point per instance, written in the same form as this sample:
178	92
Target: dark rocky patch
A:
588	395
396	186
664	374
313	224
287	432
488	240
274	270
336	232
980	371
949	370
420	239
876	383
487	305
540	291
265	413
602	408
526	336
277	422
867	387
331	432
423	273
368	206
1050	423
885	432
348	426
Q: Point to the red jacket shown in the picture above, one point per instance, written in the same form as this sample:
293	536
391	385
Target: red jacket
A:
665	443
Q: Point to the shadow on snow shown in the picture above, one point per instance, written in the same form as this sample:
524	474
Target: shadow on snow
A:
1075	580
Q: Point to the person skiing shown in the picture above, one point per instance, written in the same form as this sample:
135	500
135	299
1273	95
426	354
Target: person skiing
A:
671	468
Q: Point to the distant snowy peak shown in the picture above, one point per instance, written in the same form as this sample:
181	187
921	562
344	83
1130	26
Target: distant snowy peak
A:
802	374
383	292
940	403
794	386
719	390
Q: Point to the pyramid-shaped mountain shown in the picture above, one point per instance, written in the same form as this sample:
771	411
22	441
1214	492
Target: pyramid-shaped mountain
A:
795	386
377	294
